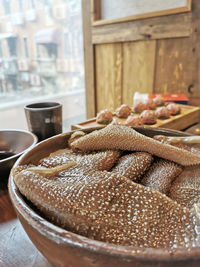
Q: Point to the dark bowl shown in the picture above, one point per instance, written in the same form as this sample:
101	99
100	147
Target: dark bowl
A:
64	248
13	143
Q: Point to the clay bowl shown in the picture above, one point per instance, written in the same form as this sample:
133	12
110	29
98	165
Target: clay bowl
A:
64	248
13	143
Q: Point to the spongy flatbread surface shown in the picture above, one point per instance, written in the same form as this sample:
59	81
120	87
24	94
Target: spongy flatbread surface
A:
161	175
186	188
125	138
111	208
133	165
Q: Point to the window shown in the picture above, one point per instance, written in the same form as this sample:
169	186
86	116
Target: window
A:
51	50
67	45
1	50
26	49
32	3
38	52
48	47
6	6
46	50
74	7
21	5
48	2
49	19
12	46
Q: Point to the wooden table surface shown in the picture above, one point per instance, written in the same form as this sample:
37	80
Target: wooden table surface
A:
16	249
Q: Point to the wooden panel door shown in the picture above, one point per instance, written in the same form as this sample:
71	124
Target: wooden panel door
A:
108	60
175	68
156	54
138	69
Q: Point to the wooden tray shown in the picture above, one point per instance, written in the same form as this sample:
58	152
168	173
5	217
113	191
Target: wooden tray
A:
189	116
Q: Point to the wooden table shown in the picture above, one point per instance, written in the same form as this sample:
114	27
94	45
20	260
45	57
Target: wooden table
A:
16	249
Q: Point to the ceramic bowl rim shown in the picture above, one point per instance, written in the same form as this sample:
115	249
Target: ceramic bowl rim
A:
34	142
33	106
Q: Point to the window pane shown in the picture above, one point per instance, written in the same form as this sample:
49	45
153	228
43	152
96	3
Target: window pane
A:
41	58
12	46
1	51
6	6
21	5
26	48
32	3
48	2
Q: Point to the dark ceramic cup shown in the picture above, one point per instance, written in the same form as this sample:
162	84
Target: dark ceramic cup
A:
44	119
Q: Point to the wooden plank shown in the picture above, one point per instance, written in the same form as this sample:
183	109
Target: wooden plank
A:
138	69
189	115
189	4
193	90
177	62
122	11
7	210
96	10
174	66
89	60
108	76
182	122
16	249
154	28
194	101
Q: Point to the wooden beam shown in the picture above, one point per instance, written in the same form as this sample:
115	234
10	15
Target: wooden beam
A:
154	28
96	10
189	5
89	60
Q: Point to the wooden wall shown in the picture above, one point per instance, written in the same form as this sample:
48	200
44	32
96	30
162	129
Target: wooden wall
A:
154	55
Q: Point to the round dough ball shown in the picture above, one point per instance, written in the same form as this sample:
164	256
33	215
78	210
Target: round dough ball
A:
133	120
104	116
162	113
174	109
148	117
123	111
139	107
150	104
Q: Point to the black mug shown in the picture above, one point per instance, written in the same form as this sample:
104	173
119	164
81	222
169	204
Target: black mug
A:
44	119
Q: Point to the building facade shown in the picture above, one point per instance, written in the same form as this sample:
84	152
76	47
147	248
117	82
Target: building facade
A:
41	47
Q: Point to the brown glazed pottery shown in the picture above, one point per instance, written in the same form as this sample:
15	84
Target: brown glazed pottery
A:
64	248
44	119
